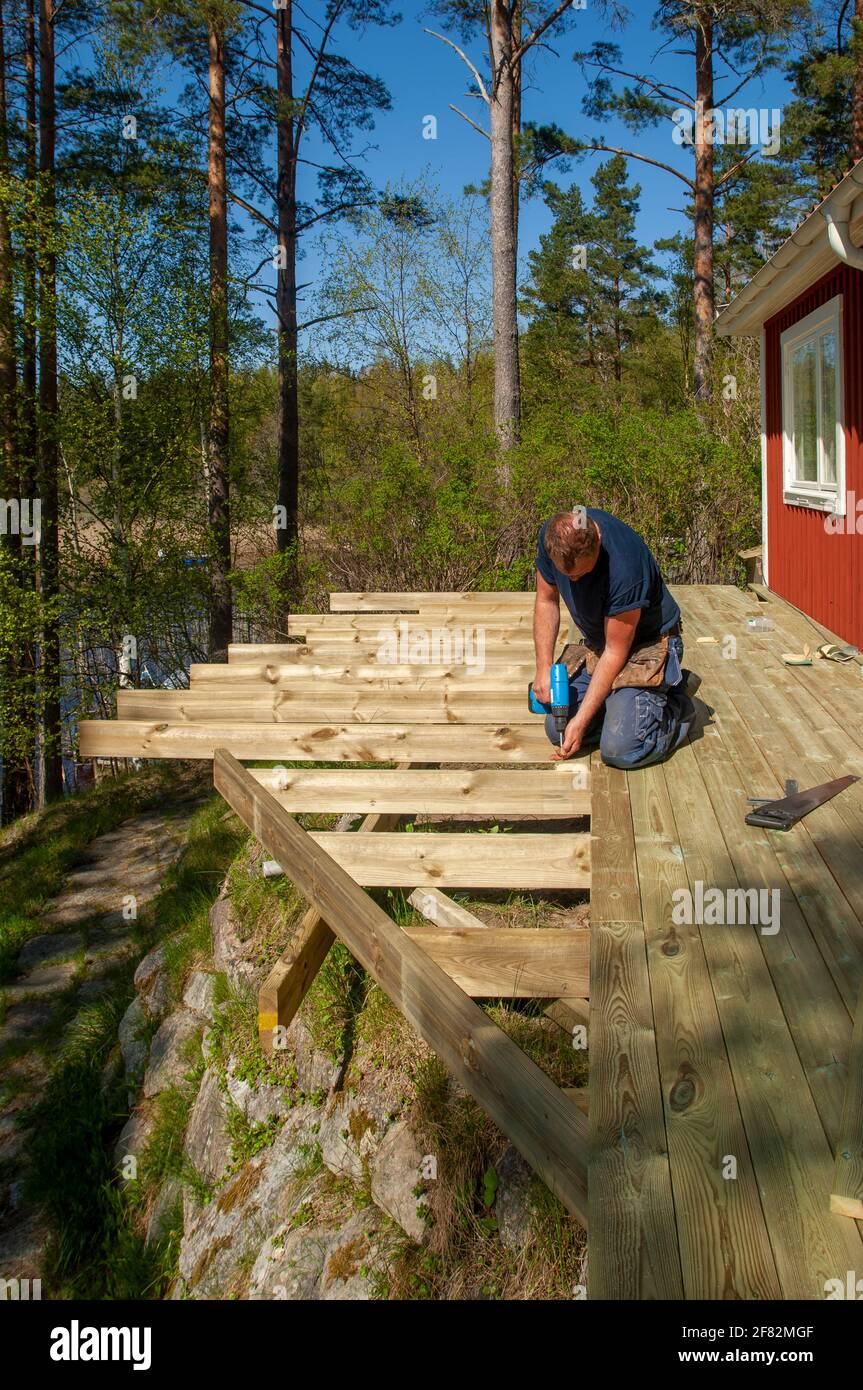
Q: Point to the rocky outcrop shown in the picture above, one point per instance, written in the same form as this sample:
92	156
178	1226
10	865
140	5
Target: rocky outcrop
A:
267	1226
170	1050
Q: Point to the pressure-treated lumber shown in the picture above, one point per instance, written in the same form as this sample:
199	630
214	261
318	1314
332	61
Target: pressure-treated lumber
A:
470	664
816	958
290	979
357	743
547	1129
359	677
703	1121
467	621
569	1012
493	793
393	643
442	910
380	602
846	1198
318	703
634	1252
509	962
790	1153
462	860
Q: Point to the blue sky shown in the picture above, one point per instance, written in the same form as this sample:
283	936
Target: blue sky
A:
424	76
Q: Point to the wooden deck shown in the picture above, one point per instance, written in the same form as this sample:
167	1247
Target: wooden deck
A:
720	1053
726	1079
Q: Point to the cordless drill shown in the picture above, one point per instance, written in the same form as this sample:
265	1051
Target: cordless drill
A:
559	703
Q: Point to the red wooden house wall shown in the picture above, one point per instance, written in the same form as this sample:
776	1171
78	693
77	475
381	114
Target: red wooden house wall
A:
820	573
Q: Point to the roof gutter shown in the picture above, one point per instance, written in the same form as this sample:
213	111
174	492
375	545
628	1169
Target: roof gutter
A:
839	236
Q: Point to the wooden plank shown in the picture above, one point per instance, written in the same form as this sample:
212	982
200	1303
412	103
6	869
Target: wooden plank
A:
724	1244
846	1197
580	1095
831	694
818	873
509	962
338	651
561	790
815	958
467	621
569	1012
615	895
407	602
633	1243
319	703
389	647
358	743
290	979
442	910
352	676
546	1128
462	860
792	1159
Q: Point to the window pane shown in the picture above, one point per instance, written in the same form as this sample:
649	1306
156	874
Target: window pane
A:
804	379
827	348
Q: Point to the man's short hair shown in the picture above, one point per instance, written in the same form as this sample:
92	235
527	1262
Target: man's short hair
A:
571	537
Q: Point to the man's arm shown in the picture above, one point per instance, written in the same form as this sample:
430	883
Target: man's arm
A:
546	623
619	635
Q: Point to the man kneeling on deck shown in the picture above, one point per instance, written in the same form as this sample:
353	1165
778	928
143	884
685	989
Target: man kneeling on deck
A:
627	687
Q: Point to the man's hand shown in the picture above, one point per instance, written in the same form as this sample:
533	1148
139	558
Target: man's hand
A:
571	741
542	685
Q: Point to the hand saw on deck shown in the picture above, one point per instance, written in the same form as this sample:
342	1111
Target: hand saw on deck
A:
788	810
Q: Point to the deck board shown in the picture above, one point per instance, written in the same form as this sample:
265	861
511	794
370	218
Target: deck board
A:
724	1242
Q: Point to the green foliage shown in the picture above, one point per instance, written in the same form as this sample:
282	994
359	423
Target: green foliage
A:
591	295
98	1222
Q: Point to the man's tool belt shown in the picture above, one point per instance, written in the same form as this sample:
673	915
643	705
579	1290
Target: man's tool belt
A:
645	667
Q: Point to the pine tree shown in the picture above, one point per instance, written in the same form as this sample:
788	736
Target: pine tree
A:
592	286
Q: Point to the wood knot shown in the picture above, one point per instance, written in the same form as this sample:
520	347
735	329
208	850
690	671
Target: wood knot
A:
683	1094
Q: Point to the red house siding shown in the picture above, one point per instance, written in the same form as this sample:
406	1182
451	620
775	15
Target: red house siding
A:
821	574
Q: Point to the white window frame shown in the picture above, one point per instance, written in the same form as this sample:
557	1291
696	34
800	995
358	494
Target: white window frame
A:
819	495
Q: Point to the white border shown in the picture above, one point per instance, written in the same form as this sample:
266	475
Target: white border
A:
814	495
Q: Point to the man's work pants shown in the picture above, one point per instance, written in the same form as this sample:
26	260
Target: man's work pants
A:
637	727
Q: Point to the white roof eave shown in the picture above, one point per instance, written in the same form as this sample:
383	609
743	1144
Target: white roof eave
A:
800	261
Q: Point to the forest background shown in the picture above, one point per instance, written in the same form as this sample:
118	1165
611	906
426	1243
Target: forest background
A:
326	296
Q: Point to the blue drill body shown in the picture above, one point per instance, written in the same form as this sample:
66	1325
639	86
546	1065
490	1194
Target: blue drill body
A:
558	705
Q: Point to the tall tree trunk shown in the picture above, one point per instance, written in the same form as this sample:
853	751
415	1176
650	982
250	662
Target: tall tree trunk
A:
516	125
857	49
218	493
14	714
29	439
704	201
8	369
507	384
49	550
286	286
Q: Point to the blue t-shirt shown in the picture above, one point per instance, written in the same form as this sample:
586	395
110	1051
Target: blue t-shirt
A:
625	576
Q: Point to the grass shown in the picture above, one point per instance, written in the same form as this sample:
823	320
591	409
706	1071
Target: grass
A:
97	1247
38	851
98	1221
464	1258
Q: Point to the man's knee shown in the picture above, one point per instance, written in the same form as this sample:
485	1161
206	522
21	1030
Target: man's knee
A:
632	730
619	745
